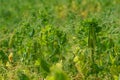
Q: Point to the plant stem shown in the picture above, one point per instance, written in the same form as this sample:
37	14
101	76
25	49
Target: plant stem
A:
92	41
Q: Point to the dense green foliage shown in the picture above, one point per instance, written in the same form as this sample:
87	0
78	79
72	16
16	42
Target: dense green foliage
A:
59	39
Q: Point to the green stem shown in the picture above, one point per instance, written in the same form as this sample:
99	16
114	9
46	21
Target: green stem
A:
92	41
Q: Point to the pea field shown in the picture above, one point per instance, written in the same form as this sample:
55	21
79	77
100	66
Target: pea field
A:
59	39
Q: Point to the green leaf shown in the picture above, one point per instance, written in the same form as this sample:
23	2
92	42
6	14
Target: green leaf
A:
44	65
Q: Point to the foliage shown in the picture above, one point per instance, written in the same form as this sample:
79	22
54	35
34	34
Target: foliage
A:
59	40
